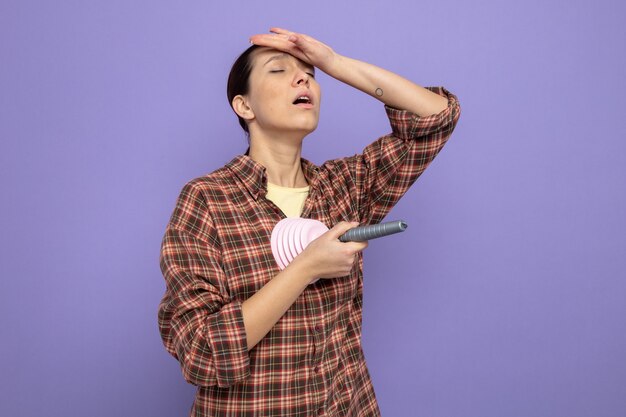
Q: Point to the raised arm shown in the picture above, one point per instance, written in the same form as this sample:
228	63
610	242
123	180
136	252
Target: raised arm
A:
389	88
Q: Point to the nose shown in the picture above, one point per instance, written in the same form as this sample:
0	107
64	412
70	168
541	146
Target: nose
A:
302	78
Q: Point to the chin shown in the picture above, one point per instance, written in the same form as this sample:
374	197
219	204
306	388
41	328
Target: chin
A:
304	127
312	123
307	129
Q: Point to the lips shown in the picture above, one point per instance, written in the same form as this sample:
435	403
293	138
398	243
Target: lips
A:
303	99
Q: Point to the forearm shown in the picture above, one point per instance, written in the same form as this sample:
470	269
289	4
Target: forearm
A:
390	88
263	310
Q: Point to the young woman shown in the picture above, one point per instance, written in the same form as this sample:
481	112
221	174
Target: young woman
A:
258	341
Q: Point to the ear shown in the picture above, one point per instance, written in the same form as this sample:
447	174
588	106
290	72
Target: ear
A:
242	108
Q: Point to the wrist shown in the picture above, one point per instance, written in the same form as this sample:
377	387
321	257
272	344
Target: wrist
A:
302	269
334	66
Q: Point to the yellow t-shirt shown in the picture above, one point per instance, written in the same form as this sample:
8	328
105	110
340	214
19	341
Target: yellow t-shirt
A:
289	200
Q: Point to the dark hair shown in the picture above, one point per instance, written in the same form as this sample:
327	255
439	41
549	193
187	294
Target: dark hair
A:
238	80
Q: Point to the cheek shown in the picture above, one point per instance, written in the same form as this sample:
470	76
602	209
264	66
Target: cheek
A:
318	92
266	101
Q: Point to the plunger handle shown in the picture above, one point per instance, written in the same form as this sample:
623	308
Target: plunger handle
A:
362	233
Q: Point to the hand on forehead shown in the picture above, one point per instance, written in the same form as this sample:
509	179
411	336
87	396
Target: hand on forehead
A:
303	47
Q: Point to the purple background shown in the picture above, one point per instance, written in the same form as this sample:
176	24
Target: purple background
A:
505	297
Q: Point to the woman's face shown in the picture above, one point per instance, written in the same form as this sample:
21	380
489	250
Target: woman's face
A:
283	93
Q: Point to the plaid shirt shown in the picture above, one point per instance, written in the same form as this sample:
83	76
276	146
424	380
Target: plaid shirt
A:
216	253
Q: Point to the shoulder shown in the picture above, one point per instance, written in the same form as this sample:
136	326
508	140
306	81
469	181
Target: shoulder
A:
196	204
336	173
207	186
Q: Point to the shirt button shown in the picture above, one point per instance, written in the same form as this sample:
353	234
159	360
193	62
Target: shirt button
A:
319	328
320	411
316	369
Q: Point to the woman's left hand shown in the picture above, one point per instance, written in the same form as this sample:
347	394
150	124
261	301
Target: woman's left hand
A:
303	47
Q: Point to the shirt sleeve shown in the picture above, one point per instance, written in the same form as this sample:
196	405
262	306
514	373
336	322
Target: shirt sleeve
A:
199	324
387	167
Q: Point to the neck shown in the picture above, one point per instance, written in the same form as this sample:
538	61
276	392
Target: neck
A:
281	159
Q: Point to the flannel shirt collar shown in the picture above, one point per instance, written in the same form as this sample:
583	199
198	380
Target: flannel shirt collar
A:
253	175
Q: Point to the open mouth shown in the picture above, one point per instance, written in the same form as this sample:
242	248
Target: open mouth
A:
303	100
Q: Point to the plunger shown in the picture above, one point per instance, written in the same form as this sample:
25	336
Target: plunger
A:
293	234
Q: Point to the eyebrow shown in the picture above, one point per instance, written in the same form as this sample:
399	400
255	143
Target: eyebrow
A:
285	55
274	57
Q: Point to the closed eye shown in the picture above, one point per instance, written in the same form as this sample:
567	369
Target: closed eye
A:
279	70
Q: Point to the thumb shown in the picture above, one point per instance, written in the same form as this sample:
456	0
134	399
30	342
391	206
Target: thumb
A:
341	228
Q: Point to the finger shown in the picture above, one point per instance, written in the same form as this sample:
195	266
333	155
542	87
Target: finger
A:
256	39
340	228
356	246
274	41
281	31
280	43
300	46
300	36
296	38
